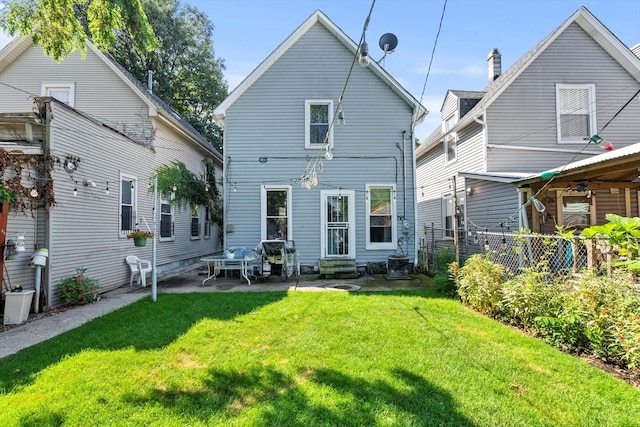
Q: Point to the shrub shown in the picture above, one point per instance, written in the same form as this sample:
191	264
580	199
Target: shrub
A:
526	296
79	289
479	284
442	279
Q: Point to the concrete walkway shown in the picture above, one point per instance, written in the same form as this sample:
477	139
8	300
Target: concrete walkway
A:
46	327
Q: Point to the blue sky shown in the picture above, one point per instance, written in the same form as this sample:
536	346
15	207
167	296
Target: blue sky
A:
247	31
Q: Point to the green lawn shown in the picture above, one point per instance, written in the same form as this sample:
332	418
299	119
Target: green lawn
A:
305	359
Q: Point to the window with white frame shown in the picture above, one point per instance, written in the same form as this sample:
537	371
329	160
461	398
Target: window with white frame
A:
63	92
207	222
276	213
195	221
576	112
450	139
166	216
317	120
381	217
128	203
448	214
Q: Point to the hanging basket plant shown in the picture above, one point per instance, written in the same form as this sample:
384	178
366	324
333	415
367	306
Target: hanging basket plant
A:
188	189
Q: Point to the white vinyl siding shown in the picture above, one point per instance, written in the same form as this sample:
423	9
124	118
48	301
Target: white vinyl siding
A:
317	123
381	217
63	92
576	112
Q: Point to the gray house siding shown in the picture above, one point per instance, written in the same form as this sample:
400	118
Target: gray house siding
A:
525	116
98	90
84	229
268	121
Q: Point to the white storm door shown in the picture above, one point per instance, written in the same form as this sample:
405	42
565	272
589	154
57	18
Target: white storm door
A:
338	224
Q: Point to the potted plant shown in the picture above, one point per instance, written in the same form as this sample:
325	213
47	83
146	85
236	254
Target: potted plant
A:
139	237
230	253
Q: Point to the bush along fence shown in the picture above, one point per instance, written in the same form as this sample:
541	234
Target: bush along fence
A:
594	306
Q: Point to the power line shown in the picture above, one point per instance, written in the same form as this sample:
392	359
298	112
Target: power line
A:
433	51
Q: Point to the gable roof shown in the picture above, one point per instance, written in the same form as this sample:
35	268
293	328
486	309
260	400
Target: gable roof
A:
317	17
157	107
589	23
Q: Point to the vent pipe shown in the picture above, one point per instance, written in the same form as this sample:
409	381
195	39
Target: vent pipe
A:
150	81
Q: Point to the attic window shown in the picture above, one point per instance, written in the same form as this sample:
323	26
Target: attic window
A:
63	92
576	112
317	116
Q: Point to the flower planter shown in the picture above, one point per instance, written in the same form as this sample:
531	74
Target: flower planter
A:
17	306
140	242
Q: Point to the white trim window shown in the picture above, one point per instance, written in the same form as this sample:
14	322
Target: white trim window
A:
276	218
575	112
450	139
207	222
195	222
317	121
448	215
128	204
167	213
63	92
381	216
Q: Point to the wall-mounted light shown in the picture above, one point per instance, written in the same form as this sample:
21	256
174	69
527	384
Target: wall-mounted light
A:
33	193
20	242
341	120
106	190
469	191
75	189
88	182
235	187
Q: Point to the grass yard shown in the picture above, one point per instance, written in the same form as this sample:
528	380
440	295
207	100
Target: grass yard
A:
406	358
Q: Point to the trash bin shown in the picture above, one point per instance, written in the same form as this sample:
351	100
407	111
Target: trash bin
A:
17	306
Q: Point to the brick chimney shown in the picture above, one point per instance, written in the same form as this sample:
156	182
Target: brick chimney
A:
494	62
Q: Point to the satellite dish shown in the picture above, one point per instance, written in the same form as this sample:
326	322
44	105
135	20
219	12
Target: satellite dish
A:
388	42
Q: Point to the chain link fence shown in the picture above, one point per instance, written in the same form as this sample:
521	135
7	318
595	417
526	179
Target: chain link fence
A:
516	251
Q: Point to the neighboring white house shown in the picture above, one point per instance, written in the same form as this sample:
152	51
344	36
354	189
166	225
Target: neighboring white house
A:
102	135
542	113
320	151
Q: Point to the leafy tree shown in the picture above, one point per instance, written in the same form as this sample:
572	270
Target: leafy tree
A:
55	26
187	74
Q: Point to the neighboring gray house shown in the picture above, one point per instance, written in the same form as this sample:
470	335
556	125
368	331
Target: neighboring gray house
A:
104	135
347	198
540	114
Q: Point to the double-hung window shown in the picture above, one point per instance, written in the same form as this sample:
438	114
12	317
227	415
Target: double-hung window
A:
166	216
128	203
450	139
195	221
63	92
381	217
276	213
317	124
576	112
448	214
207	222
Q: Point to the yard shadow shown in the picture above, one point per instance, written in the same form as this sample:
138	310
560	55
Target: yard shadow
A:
143	325
283	400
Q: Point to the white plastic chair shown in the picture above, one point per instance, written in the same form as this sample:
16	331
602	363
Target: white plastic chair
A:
140	267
